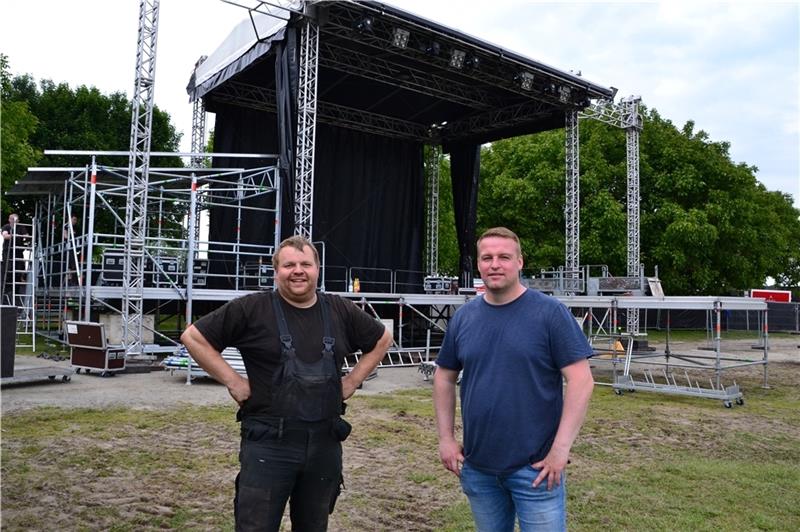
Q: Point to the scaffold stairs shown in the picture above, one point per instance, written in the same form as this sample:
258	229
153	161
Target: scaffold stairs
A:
727	394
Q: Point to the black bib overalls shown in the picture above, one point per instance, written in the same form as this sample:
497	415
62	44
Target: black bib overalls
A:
295	455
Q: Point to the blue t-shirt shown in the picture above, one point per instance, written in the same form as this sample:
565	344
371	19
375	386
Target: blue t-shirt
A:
511	387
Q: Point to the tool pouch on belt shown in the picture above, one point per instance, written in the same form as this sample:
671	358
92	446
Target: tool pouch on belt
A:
256	430
340	429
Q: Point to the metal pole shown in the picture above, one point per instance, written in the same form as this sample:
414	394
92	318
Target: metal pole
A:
190	267
400	325
717	342
766	346
278	216
237	246
90	242
32	283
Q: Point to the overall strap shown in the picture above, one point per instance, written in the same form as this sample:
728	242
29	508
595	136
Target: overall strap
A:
328	341
287	349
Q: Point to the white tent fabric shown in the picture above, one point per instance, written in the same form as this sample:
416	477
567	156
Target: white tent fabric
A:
233	55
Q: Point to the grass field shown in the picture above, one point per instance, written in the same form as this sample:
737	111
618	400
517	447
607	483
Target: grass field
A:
642	462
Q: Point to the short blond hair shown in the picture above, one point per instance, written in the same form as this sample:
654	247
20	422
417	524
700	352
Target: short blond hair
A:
501	232
297	242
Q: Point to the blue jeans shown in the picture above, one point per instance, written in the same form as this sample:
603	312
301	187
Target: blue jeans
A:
496	500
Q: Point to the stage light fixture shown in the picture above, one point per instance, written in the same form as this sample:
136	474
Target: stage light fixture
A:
457	58
400	37
434	49
364	24
525	80
564	93
472	62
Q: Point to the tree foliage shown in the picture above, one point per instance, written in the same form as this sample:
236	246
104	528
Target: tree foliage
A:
705	221
85	119
17	125
51	115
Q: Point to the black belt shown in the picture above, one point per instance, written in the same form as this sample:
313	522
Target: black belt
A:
285	423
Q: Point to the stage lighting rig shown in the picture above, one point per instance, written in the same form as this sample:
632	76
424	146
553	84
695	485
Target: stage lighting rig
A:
472	62
364	24
564	93
400	37
457	58
434	49
525	80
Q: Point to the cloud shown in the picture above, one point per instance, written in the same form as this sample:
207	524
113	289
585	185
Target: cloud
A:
731	67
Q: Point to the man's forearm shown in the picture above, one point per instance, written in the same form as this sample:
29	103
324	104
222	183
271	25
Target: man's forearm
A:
208	358
576	402
444	403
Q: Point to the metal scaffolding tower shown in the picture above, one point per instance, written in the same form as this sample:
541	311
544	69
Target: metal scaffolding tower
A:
572	197
433	209
306	128
138	170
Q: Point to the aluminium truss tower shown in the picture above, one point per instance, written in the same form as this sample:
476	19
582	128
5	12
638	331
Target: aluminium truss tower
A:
306	128
198	125
572	196
433	209
138	175
198	147
633	125
625	115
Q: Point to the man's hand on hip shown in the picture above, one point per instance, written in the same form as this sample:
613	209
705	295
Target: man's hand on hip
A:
240	390
551	467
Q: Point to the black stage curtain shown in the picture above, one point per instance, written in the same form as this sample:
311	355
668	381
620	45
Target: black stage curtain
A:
369	205
465	162
240	130
368	198
286	80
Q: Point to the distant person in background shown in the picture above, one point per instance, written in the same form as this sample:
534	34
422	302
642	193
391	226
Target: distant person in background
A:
514	345
15	237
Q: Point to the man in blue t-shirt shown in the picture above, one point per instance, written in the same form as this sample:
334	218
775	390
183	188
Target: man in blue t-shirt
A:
514	346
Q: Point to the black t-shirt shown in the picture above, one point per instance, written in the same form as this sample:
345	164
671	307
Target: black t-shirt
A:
248	323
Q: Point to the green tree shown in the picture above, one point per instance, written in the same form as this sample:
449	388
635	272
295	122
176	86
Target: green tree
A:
522	189
17	125
706	221
84	119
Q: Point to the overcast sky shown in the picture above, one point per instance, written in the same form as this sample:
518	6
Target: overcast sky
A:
733	68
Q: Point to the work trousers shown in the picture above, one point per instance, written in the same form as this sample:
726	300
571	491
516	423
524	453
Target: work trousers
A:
284	460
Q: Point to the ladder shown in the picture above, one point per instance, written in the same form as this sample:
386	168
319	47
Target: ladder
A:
19	280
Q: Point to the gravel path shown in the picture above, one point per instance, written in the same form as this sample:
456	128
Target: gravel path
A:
154	390
163	389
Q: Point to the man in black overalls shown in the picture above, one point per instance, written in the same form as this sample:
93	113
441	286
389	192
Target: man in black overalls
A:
293	343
